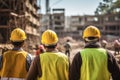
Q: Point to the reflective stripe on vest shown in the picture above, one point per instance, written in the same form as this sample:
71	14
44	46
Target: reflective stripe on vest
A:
54	66
94	64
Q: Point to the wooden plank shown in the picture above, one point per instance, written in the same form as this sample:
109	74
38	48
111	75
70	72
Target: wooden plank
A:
4	26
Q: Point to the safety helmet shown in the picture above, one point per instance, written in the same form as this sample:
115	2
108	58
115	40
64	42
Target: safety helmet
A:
91	31
18	35
49	37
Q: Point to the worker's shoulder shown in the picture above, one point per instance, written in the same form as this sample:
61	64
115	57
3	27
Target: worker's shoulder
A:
62	58
16	51
60	54
92	49
8	51
55	54
23	51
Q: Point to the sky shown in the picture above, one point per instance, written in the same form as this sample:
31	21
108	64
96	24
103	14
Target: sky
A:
73	7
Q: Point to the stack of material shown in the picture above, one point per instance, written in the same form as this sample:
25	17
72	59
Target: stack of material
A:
5	47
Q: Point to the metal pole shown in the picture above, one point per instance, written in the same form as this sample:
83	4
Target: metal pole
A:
47	6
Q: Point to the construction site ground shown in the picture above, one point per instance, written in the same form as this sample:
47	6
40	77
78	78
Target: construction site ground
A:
76	48
75	45
78	45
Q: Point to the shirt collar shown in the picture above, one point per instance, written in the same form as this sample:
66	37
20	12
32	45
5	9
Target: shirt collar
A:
93	45
17	49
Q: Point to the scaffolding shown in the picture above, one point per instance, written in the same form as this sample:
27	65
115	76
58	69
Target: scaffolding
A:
19	13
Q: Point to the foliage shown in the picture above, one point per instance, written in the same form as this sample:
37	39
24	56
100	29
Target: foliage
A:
117	4
108	7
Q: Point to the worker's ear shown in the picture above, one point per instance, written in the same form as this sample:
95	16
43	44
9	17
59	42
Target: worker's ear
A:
44	46
56	45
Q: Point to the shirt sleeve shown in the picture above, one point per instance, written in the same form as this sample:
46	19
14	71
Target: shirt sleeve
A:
113	67
74	73
35	69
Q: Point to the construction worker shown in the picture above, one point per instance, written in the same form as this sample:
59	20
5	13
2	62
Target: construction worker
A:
104	43
52	64
40	50
15	63
67	47
93	62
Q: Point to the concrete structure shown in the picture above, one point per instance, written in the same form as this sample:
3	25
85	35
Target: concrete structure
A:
58	21
20	13
108	24
112	25
54	21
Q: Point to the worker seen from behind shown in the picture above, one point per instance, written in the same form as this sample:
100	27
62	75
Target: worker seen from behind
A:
104	43
94	62
15	63
67	47
52	64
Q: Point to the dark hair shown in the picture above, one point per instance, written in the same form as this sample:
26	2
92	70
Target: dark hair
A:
92	38
19	44
51	46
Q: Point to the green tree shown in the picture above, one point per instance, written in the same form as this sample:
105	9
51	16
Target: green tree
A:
105	7
117	7
117	4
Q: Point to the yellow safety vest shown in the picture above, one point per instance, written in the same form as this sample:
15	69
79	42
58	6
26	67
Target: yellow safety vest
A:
55	66
14	64
94	64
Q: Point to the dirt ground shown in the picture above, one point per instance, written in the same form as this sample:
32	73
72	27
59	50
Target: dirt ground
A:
77	46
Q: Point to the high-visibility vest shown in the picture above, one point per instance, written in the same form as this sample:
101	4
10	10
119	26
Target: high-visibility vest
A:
14	64
94	64
54	66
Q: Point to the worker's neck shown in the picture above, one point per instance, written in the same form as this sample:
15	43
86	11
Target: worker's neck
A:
51	50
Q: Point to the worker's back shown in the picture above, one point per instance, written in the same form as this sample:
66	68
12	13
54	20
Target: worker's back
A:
54	65
14	64
94	63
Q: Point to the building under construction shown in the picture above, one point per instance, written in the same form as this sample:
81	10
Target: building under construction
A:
23	14
109	25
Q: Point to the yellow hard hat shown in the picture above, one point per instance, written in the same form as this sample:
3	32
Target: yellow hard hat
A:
18	35
91	31
49	37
